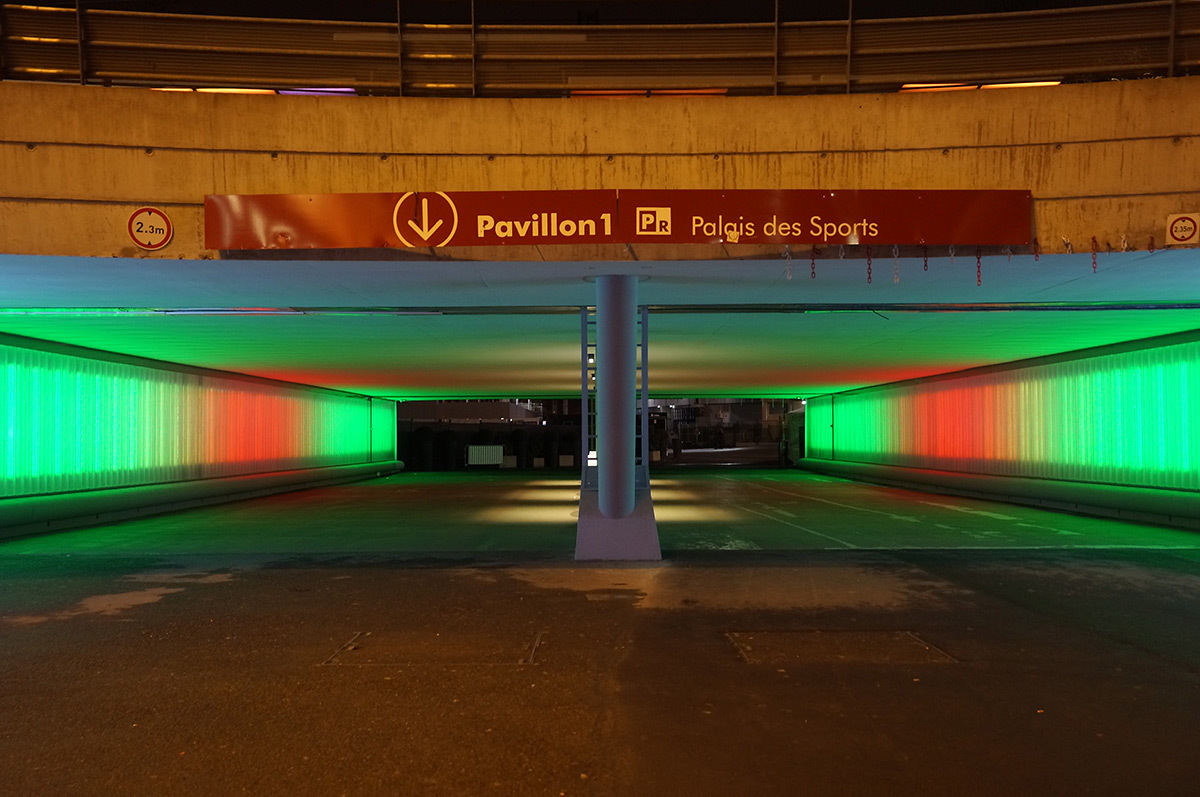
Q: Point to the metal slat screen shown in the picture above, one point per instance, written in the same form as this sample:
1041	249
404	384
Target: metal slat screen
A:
71	423
1131	40
1130	418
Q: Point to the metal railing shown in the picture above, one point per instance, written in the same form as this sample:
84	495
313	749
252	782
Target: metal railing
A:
1160	38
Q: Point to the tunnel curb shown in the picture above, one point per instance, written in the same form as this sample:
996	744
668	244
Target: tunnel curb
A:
26	516
1177	508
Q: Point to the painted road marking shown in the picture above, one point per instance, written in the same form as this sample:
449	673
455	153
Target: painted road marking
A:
1057	546
994	515
1050	528
826	501
798	526
1036	526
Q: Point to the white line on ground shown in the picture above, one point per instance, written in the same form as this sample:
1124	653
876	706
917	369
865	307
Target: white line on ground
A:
1047	528
827	501
994	515
797	526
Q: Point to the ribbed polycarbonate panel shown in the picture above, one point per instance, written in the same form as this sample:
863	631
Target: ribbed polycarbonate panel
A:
383	430
818	427
1130	418
71	423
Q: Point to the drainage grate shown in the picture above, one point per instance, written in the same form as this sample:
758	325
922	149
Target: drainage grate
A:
835	647
430	648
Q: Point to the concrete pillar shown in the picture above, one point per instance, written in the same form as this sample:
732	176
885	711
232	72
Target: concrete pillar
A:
616	392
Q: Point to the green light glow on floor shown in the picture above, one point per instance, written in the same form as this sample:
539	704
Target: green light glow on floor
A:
1130	418
72	423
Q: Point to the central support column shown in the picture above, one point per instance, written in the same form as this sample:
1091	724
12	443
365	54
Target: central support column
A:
616	392
616	519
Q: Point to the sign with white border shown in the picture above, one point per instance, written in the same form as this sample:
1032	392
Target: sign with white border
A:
1183	229
150	228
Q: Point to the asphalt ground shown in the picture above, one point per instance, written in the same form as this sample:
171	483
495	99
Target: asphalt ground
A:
429	634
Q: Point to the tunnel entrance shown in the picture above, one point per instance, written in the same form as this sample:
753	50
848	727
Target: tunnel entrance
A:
530	434
713	339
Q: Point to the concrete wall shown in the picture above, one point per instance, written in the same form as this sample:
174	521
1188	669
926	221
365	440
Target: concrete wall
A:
1109	160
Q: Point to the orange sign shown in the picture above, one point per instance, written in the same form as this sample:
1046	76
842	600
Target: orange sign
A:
421	219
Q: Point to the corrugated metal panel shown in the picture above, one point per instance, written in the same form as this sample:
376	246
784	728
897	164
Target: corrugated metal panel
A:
1131	418
1050	61
485	455
1187	35
71	423
39	43
134	48
1108	40
220	51
627	75
41	61
240	34
174	67
36	22
1011	31
812	55
660	42
624	58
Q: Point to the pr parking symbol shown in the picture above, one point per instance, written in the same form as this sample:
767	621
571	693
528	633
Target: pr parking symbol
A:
653	221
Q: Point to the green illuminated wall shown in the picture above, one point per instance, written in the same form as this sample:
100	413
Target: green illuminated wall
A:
1130	417
74	423
818	427
383	430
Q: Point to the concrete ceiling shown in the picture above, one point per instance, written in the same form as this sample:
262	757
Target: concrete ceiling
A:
466	329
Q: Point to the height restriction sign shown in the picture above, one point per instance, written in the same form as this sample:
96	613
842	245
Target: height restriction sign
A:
150	228
1183	229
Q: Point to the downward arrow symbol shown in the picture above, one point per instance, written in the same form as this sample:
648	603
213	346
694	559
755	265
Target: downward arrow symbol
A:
424	230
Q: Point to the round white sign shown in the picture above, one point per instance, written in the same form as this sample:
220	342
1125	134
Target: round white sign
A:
150	228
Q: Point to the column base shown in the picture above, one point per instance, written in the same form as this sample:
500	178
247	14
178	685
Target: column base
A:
630	539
